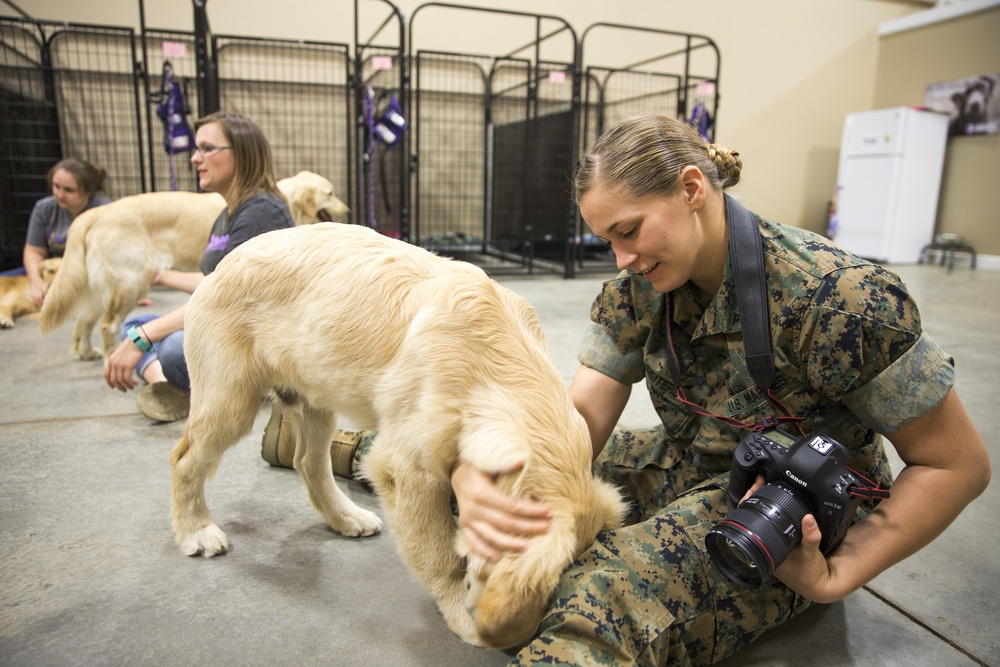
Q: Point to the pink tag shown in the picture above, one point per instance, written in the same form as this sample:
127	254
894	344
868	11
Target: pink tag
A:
382	62
557	76
175	49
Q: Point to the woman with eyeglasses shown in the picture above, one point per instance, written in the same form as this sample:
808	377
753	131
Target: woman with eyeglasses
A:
76	185
233	158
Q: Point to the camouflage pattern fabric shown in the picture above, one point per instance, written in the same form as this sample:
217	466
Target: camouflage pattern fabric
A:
647	594
361	449
850	357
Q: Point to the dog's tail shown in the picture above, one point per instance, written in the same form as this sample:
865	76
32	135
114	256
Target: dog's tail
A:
71	282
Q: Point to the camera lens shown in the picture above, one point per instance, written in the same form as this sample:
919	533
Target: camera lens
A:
755	538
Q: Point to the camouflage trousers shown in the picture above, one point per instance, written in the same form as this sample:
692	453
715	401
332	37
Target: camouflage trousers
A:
648	594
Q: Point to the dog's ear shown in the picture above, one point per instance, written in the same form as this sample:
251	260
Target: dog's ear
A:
307	200
48	269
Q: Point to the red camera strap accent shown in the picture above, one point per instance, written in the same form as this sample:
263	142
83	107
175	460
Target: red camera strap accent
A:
870	491
761	424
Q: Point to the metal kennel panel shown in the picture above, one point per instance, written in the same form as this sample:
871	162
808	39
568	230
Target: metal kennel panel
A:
98	96
449	107
485	194
65	90
532	123
29	132
299	93
610	95
163	48
661	71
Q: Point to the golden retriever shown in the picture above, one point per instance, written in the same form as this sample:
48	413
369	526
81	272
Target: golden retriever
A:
113	252
14	298
311	199
446	364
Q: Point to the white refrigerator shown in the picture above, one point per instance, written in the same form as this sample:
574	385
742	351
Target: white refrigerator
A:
888	182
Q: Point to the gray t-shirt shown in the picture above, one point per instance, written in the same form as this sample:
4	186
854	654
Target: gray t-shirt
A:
260	213
49	223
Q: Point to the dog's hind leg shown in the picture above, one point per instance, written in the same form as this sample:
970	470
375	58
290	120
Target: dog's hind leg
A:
213	426
82	332
417	504
314	430
115	312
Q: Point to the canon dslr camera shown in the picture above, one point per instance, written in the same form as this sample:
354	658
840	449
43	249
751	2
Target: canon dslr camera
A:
805	476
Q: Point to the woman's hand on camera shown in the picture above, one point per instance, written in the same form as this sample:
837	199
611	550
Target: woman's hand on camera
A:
806	570
491	521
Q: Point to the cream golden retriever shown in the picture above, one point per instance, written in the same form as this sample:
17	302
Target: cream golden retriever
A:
113	252
14	298
442	361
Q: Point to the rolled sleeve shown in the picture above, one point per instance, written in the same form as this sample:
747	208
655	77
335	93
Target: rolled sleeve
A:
599	351
908	389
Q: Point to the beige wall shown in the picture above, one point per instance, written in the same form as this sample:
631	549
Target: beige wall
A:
790	69
963	47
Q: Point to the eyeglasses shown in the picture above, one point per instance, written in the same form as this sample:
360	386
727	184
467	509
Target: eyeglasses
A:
208	149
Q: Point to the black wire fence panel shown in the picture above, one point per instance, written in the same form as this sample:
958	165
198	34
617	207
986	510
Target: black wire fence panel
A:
300	94
676	74
65	91
97	94
449	108
29	134
533	116
495	137
493	142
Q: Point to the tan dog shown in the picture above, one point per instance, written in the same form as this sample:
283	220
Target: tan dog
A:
113	252
446	365
311	199
14	298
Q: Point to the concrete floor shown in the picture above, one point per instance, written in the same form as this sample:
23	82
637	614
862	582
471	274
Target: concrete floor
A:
90	574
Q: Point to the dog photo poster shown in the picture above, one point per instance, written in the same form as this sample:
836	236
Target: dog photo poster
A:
972	103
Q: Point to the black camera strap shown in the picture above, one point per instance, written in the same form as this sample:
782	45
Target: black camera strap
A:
746	254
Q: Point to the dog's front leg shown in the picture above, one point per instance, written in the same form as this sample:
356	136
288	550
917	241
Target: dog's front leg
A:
418	507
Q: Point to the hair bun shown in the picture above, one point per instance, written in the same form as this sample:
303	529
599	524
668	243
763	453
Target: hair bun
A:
727	162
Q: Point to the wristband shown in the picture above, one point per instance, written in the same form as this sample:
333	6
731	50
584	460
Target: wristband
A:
139	341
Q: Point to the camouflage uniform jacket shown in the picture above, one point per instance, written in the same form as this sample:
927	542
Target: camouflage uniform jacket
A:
850	355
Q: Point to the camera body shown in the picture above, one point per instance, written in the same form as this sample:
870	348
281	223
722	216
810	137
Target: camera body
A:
815	467
803	476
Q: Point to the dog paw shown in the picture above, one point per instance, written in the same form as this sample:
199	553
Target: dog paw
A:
209	541
6	323
88	355
462	624
359	523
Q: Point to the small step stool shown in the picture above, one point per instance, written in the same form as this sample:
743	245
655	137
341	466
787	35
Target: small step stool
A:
948	245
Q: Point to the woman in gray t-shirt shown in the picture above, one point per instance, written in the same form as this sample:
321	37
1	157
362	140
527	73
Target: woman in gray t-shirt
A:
232	158
75	185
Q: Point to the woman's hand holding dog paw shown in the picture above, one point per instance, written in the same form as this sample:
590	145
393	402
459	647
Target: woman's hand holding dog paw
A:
491	521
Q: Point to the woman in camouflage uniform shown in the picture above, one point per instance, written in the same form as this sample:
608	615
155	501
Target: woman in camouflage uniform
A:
850	358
